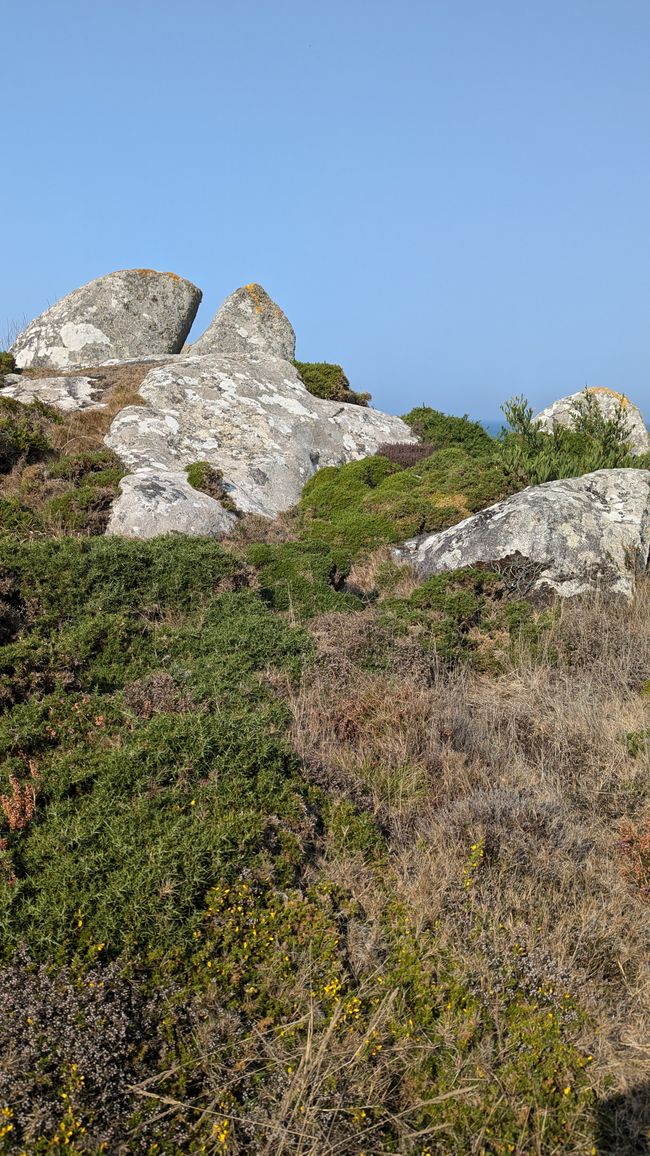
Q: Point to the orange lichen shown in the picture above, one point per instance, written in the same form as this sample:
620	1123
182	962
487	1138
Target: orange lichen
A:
155	273
621	398
258	295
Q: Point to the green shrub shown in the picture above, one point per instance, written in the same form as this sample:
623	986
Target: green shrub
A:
73	467
443	430
69	577
302	577
329	382
373	501
22	433
592	442
209	480
466	616
7	363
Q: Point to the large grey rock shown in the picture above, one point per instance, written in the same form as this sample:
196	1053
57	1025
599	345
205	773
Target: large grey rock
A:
251	418
134	313
574	535
153	502
249	323
64	393
563	412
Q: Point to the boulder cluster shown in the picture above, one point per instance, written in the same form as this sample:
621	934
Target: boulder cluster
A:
233	399
235	402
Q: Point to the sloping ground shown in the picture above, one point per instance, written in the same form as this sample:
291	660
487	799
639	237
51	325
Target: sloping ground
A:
300	856
370	881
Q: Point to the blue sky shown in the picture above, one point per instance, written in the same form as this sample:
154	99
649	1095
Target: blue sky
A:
449	197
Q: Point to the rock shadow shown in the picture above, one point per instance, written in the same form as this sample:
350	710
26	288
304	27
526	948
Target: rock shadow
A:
624	1123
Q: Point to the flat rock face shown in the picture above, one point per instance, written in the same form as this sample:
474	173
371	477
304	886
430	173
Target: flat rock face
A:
153	502
562	412
64	393
576	534
249	323
251	418
134	313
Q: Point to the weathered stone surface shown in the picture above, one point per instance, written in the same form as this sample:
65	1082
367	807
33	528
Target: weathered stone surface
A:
562	412
577	534
134	313
153	502
251	418
64	393
249	323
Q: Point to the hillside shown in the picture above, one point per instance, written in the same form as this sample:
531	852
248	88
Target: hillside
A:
302	851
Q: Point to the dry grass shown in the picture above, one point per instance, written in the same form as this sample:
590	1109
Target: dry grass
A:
86	429
531	768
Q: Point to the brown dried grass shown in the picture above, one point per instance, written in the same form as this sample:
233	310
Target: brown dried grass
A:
531	766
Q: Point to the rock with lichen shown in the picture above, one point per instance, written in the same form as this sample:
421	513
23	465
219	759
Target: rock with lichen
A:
133	313
252	419
249	323
568	536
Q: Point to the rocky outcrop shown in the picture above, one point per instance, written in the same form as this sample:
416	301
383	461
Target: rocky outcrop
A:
250	418
134	313
249	323
573	535
153	502
64	393
563	412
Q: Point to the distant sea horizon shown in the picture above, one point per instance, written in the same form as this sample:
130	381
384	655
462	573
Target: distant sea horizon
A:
493	425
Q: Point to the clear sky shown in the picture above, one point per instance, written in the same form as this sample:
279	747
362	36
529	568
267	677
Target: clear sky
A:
449	197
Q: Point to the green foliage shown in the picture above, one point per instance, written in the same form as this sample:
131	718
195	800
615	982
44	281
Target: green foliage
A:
206	478
329	381
592	442
191	785
443	430
74	467
22	433
72	578
7	363
465	616
302	577
44	492
371	502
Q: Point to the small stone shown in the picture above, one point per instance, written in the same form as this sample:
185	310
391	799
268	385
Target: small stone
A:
64	393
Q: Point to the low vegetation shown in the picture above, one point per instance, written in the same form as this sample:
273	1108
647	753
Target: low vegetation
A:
329	382
300	856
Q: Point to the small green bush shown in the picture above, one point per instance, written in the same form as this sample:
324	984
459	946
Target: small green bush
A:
329	382
302	577
23	433
7	363
209	480
375	501
443	430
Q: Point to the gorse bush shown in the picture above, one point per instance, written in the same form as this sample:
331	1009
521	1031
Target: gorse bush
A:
443	430
7	363
365	504
45	491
